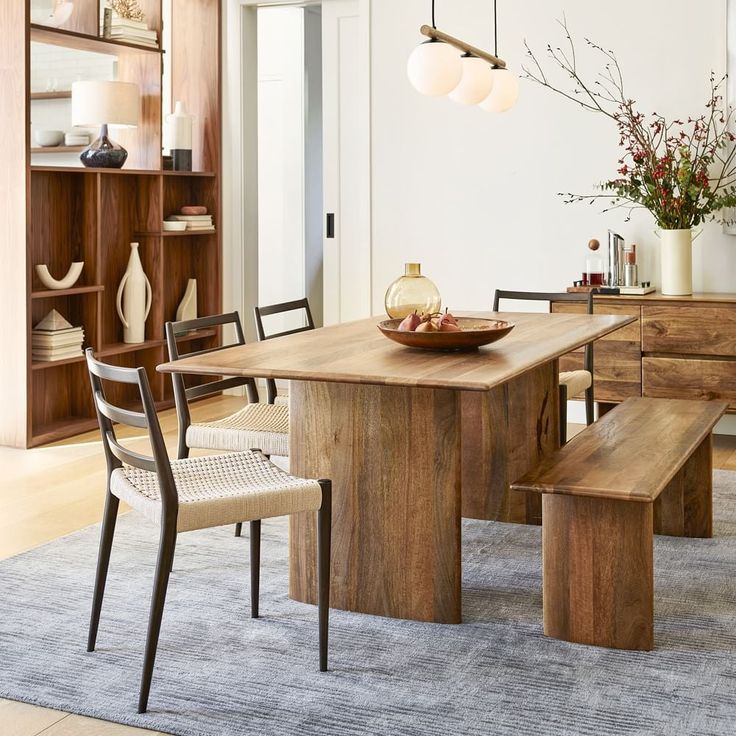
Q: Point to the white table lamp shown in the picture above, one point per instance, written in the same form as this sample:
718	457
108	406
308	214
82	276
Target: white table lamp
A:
105	103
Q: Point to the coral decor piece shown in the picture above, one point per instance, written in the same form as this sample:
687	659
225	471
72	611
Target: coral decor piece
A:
128	9
682	172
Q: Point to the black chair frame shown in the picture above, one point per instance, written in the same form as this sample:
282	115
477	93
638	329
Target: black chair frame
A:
281	308
116	455
584	298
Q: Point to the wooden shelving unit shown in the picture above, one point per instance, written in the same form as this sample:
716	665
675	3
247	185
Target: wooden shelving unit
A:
68	213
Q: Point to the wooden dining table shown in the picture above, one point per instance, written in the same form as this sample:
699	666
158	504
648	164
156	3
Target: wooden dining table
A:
413	441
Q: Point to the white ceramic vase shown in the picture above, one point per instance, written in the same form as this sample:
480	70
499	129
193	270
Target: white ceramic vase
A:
676	262
187	308
134	299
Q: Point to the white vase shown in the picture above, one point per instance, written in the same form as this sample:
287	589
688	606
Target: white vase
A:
179	135
134	299
676	262
187	308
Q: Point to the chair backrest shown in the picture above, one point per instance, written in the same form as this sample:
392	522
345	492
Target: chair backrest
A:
282	308
175	331
108	414
551	296
543	296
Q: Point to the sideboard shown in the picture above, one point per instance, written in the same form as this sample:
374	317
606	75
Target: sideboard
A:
678	347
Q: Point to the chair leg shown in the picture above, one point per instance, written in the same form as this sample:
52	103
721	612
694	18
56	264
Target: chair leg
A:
324	533
589	406
238	528
563	415
166	548
103	562
255	566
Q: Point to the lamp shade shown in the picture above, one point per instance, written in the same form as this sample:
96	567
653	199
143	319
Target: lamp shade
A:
105	103
504	93
476	82
434	68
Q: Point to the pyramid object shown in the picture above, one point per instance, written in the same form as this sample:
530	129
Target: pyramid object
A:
53	321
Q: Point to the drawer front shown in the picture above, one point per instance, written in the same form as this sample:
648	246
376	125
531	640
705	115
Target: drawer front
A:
685	378
628	333
689	330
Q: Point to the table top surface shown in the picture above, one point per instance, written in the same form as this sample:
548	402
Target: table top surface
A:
356	352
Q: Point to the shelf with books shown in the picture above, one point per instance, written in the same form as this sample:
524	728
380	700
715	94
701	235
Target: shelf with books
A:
87	42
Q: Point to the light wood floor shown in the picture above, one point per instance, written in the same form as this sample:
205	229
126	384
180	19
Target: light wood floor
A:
55	490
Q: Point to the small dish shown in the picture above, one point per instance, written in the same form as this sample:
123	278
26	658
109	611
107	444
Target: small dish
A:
49	138
475	333
177	226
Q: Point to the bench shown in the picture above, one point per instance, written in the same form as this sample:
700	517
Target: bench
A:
645	468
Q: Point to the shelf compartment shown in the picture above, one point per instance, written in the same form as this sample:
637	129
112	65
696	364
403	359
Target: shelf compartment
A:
87	42
54	293
61	429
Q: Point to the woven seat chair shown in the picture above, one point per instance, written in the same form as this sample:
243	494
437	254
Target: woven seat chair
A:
256	425
197	493
572	383
263	334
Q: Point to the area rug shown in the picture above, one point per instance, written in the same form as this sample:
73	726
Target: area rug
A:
219	672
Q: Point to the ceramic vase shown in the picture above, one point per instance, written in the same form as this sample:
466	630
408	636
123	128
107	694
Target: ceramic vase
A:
412	292
676	262
179	129
134	299
187	308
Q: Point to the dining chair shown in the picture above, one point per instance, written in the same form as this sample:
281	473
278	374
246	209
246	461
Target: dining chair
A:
189	494
259	425
572	383
282	308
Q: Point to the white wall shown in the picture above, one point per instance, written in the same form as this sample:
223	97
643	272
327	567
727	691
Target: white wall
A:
472	196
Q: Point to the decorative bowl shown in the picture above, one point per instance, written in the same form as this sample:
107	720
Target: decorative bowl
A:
49	138
178	226
475	333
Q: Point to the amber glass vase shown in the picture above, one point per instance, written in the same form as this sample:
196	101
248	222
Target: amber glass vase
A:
412	292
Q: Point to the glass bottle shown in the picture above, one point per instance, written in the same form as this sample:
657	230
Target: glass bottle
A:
412	292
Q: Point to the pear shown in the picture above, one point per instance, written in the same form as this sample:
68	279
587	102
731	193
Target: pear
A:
449	317
410	322
428	326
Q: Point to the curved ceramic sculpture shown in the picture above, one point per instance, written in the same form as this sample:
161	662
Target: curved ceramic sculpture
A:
134	299
72	275
187	308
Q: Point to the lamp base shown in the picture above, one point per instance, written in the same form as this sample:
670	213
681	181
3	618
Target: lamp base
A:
104	153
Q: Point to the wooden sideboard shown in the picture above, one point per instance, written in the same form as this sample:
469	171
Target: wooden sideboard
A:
680	347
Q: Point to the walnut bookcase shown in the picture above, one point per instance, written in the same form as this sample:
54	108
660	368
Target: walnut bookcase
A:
57	214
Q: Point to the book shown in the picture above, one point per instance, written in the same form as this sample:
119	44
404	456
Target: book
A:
190	218
36	345
52	356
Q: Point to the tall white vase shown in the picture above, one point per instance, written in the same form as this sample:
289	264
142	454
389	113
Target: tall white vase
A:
188	306
134	299
676	262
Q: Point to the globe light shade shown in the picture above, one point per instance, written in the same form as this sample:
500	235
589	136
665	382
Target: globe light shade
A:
476	82
434	68
504	93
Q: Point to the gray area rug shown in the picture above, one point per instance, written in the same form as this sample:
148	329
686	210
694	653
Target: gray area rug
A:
219	672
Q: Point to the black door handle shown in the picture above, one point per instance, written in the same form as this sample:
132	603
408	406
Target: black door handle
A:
330	227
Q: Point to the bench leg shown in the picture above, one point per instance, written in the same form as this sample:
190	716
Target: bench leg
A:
598	571
685	506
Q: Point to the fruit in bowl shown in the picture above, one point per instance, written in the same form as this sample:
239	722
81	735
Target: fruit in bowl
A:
436	322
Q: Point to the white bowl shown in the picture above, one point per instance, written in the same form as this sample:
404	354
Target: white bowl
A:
49	138
174	225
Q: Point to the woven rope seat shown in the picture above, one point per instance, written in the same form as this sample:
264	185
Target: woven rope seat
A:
219	489
264	426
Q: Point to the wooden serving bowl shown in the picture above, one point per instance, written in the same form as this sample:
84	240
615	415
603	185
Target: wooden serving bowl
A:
475	333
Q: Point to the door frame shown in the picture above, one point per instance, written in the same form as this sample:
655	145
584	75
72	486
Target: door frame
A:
240	146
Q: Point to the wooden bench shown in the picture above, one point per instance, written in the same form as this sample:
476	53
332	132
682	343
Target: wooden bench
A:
644	468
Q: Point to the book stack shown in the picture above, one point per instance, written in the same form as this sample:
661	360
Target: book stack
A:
124	29
195	223
53	338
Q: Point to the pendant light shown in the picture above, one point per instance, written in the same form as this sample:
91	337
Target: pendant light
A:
476	82
434	67
505	90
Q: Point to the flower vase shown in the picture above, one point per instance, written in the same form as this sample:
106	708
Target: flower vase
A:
412	292
134	299
179	130
676	262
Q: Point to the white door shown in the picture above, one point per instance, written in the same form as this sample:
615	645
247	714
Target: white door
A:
346	150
